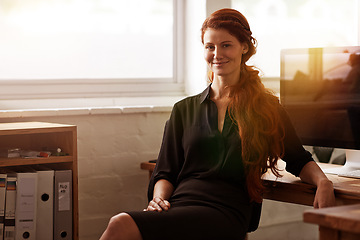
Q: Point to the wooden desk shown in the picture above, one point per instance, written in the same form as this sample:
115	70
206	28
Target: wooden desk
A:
290	188
336	223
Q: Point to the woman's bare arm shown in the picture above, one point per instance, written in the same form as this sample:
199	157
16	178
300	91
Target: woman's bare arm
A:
163	190
324	197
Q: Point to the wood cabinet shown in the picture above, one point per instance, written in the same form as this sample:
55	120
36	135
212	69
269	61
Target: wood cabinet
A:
336	223
42	136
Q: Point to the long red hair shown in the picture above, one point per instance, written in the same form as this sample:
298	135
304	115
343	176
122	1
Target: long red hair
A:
252	107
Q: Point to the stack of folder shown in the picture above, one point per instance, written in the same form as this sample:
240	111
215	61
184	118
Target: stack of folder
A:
36	205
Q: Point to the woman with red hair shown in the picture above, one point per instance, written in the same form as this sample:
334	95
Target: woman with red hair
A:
216	146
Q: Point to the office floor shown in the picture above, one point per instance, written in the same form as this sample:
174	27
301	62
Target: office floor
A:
283	221
286	231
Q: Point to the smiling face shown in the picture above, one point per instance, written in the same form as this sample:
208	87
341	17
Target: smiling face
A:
223	53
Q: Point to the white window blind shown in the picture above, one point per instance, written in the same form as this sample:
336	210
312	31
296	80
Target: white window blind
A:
75	48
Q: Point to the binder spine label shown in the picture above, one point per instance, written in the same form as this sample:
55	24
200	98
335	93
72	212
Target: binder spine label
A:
27	203
64	196
9	233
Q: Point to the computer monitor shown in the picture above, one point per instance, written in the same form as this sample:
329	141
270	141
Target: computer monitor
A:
320	90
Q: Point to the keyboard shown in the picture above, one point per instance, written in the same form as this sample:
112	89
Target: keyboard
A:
351	174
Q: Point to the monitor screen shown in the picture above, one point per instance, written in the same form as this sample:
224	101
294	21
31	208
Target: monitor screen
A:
320	90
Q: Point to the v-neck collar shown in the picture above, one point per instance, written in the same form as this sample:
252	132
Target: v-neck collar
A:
205	94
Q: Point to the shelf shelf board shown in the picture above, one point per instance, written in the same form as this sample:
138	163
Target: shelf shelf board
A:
8	162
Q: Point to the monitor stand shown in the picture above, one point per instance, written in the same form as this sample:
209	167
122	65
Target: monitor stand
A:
351	167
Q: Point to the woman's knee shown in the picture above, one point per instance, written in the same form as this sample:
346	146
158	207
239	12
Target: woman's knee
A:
123	226
120	220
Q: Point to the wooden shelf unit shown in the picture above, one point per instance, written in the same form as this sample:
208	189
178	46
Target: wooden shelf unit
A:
39	136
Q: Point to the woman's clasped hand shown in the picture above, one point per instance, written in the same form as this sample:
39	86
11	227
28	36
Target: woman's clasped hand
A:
158	204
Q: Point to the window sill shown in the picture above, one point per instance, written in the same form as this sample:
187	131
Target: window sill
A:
12	108
85	106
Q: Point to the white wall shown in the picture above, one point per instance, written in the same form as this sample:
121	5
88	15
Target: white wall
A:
195	66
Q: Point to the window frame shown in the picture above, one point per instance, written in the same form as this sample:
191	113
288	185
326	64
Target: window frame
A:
106	87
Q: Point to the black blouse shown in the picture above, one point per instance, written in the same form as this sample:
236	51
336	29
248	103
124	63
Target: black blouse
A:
194	148
195	154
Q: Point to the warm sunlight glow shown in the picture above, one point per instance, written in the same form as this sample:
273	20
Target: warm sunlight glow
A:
279	24
44	39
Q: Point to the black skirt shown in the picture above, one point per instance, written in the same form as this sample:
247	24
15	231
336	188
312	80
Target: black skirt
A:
200	210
